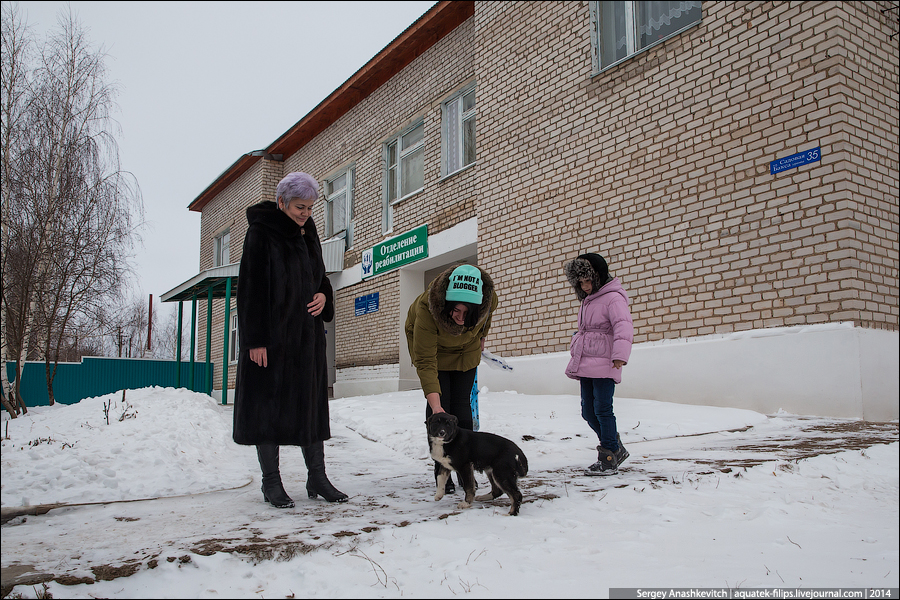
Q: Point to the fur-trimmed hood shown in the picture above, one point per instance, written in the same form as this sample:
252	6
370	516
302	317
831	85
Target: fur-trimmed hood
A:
587	266
435	342
437	300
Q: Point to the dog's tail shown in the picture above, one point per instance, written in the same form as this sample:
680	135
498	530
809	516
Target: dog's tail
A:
521	464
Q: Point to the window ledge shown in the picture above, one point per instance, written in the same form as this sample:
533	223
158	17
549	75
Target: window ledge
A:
457	172
399	201
645	49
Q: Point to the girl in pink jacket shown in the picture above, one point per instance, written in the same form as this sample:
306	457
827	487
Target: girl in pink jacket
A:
600	348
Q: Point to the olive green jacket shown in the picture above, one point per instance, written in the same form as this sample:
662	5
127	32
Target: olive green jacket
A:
439	344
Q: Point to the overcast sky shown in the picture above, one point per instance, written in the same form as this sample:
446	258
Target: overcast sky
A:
201	83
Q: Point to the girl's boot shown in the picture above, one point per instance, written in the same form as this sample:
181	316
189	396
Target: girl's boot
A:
621	454
605	465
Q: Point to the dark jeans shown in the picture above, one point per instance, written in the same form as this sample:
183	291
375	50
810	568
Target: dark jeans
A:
597	410
456	394
456	391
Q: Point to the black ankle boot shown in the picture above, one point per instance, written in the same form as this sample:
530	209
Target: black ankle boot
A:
272	489
317	483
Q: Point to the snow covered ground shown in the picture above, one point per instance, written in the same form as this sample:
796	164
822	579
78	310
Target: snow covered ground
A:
711	497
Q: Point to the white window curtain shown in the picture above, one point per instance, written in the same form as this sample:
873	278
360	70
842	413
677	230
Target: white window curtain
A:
412	161
459	132
221	255
658	20
339	206
624	28
453	155
404	175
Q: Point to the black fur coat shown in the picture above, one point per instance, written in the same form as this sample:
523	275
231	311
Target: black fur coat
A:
285	403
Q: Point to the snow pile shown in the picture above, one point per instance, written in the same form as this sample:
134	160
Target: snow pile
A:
156	442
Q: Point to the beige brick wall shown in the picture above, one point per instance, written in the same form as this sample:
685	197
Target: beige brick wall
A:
357	139
372	339
661	164
868	78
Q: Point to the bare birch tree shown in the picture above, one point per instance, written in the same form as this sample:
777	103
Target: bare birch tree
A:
14	97
70	213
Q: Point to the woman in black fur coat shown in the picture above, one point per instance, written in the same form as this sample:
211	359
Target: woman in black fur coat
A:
283	302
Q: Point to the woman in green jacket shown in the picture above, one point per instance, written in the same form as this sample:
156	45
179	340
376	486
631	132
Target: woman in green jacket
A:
445	331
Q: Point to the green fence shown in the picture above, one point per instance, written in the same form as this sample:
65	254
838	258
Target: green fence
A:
95	376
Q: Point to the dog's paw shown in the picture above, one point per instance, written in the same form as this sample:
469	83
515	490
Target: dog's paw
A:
485	498
438	495
464	504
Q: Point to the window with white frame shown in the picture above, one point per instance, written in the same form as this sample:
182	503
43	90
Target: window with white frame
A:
404	169
339	206
459	132
621	29
220	250
233	349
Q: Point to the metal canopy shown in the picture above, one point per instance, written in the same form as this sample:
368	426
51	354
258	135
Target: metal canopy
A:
218	282
215	279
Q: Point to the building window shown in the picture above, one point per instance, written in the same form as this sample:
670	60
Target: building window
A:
339	206
405	170
233	340
221	256
459	132
621	29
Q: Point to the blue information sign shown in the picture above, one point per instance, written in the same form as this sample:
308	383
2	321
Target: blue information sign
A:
366	304
795	160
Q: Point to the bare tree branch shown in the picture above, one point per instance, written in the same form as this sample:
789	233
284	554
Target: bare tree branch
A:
70	214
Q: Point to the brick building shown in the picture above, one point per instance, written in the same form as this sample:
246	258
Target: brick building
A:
659	134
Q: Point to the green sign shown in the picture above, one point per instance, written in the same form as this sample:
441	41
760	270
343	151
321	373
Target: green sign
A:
396	252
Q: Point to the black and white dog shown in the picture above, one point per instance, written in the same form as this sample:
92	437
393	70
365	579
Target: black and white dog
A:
465	451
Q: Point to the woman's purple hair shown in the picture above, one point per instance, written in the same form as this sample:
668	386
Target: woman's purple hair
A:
297	185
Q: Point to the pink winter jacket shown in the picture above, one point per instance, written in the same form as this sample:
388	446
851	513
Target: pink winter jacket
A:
605	332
